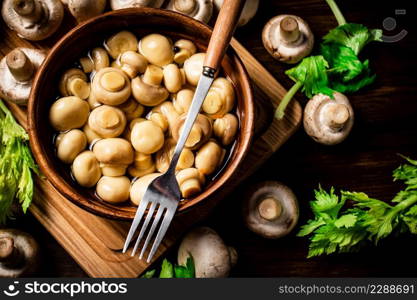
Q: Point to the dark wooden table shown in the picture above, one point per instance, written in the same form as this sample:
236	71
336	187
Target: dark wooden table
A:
386	124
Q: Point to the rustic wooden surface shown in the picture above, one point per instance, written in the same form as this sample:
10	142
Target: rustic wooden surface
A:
385	126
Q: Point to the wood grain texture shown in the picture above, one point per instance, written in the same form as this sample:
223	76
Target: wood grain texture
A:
385	126
222	32
95	242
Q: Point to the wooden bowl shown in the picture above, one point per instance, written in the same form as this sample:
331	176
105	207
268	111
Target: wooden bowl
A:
88	35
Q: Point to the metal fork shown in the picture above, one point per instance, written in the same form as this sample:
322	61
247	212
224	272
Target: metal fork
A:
163	193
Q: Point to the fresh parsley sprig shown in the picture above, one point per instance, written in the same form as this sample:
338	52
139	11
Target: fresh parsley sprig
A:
337	67
16	165
336	228
168	270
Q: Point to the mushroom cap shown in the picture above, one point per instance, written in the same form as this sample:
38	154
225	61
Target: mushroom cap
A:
13	90
68	113
193	67
190	182
164	155
86	169
121	42
209	157
220	98
70	145
67	77
40	29
157	49
120	4
225	128
280	211
107	121
283	51
185	48
113	189
211	256
147	94
139	187
147	137
173	78
133	63
328	121
113	151
248	12
182	100
200	133
201	10
100	59
26	246
85	9
111	86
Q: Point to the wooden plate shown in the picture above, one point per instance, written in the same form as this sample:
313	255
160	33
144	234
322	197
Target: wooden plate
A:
86	36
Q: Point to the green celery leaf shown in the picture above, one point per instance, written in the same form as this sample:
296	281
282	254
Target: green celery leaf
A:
186	271
408	174
354	36
326	205
346	221
312	73
149	274
410	219
167	270
310	227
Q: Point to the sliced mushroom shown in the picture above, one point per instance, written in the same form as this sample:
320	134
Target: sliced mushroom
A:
83	10
183	50
249	10
33	20
148	90
86	169
220	98
182	100
133	63
193	68
328	121
107	121
225	129
143	164
201	10
270	209
17	70
132	109
200	133
288	38
147	137
68	113
19	254
157	49
190	181
74	83
113	189
70	144
209	157
111	86
164	156
114	155
212	258
120	4
120	43
139	187
174	79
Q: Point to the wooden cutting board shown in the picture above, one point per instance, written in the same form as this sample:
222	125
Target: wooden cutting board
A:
95	242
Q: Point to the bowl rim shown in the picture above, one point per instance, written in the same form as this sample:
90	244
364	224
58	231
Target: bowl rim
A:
62	186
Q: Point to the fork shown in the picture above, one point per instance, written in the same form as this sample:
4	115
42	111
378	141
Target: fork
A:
163	193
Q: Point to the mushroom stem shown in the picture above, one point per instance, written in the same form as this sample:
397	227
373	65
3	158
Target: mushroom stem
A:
29	9
289	29
153	75
19	65
9	254
269	209
336	116
185	6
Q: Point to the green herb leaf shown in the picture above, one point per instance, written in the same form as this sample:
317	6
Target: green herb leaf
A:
167	270
186	271
149	274
353	36
312	73
16	165
339	229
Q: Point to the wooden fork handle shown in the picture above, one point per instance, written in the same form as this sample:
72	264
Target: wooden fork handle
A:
223	31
